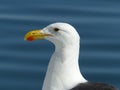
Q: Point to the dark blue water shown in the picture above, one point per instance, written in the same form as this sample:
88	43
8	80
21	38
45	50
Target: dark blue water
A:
23	64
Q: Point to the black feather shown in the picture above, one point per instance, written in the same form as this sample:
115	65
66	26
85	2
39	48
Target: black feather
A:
93	86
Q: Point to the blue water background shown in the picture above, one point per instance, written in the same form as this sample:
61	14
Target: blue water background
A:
23	64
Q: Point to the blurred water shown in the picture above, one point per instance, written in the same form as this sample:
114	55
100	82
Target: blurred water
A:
23	64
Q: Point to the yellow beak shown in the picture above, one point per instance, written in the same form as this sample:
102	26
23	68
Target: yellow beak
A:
35	35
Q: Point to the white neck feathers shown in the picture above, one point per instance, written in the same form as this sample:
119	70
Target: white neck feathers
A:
63	70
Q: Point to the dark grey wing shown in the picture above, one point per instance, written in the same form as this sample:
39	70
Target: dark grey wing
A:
93	86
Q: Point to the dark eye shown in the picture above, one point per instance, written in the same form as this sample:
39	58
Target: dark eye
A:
56	29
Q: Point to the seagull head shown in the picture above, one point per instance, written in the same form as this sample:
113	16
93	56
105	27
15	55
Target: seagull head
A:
58	33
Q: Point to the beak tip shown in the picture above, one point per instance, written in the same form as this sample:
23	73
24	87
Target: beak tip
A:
31	38
25	39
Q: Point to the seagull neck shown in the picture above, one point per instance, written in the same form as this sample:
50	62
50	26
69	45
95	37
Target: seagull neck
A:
67	52
63	71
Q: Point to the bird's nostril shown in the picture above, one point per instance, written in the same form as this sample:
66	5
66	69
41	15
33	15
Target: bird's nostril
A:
33	33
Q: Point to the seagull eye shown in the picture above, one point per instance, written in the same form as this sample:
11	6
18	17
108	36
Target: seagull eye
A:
56	29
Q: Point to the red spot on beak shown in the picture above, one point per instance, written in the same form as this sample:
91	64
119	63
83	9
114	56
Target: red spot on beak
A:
31	38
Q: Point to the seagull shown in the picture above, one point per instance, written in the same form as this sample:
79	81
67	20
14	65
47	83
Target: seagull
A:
63	71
